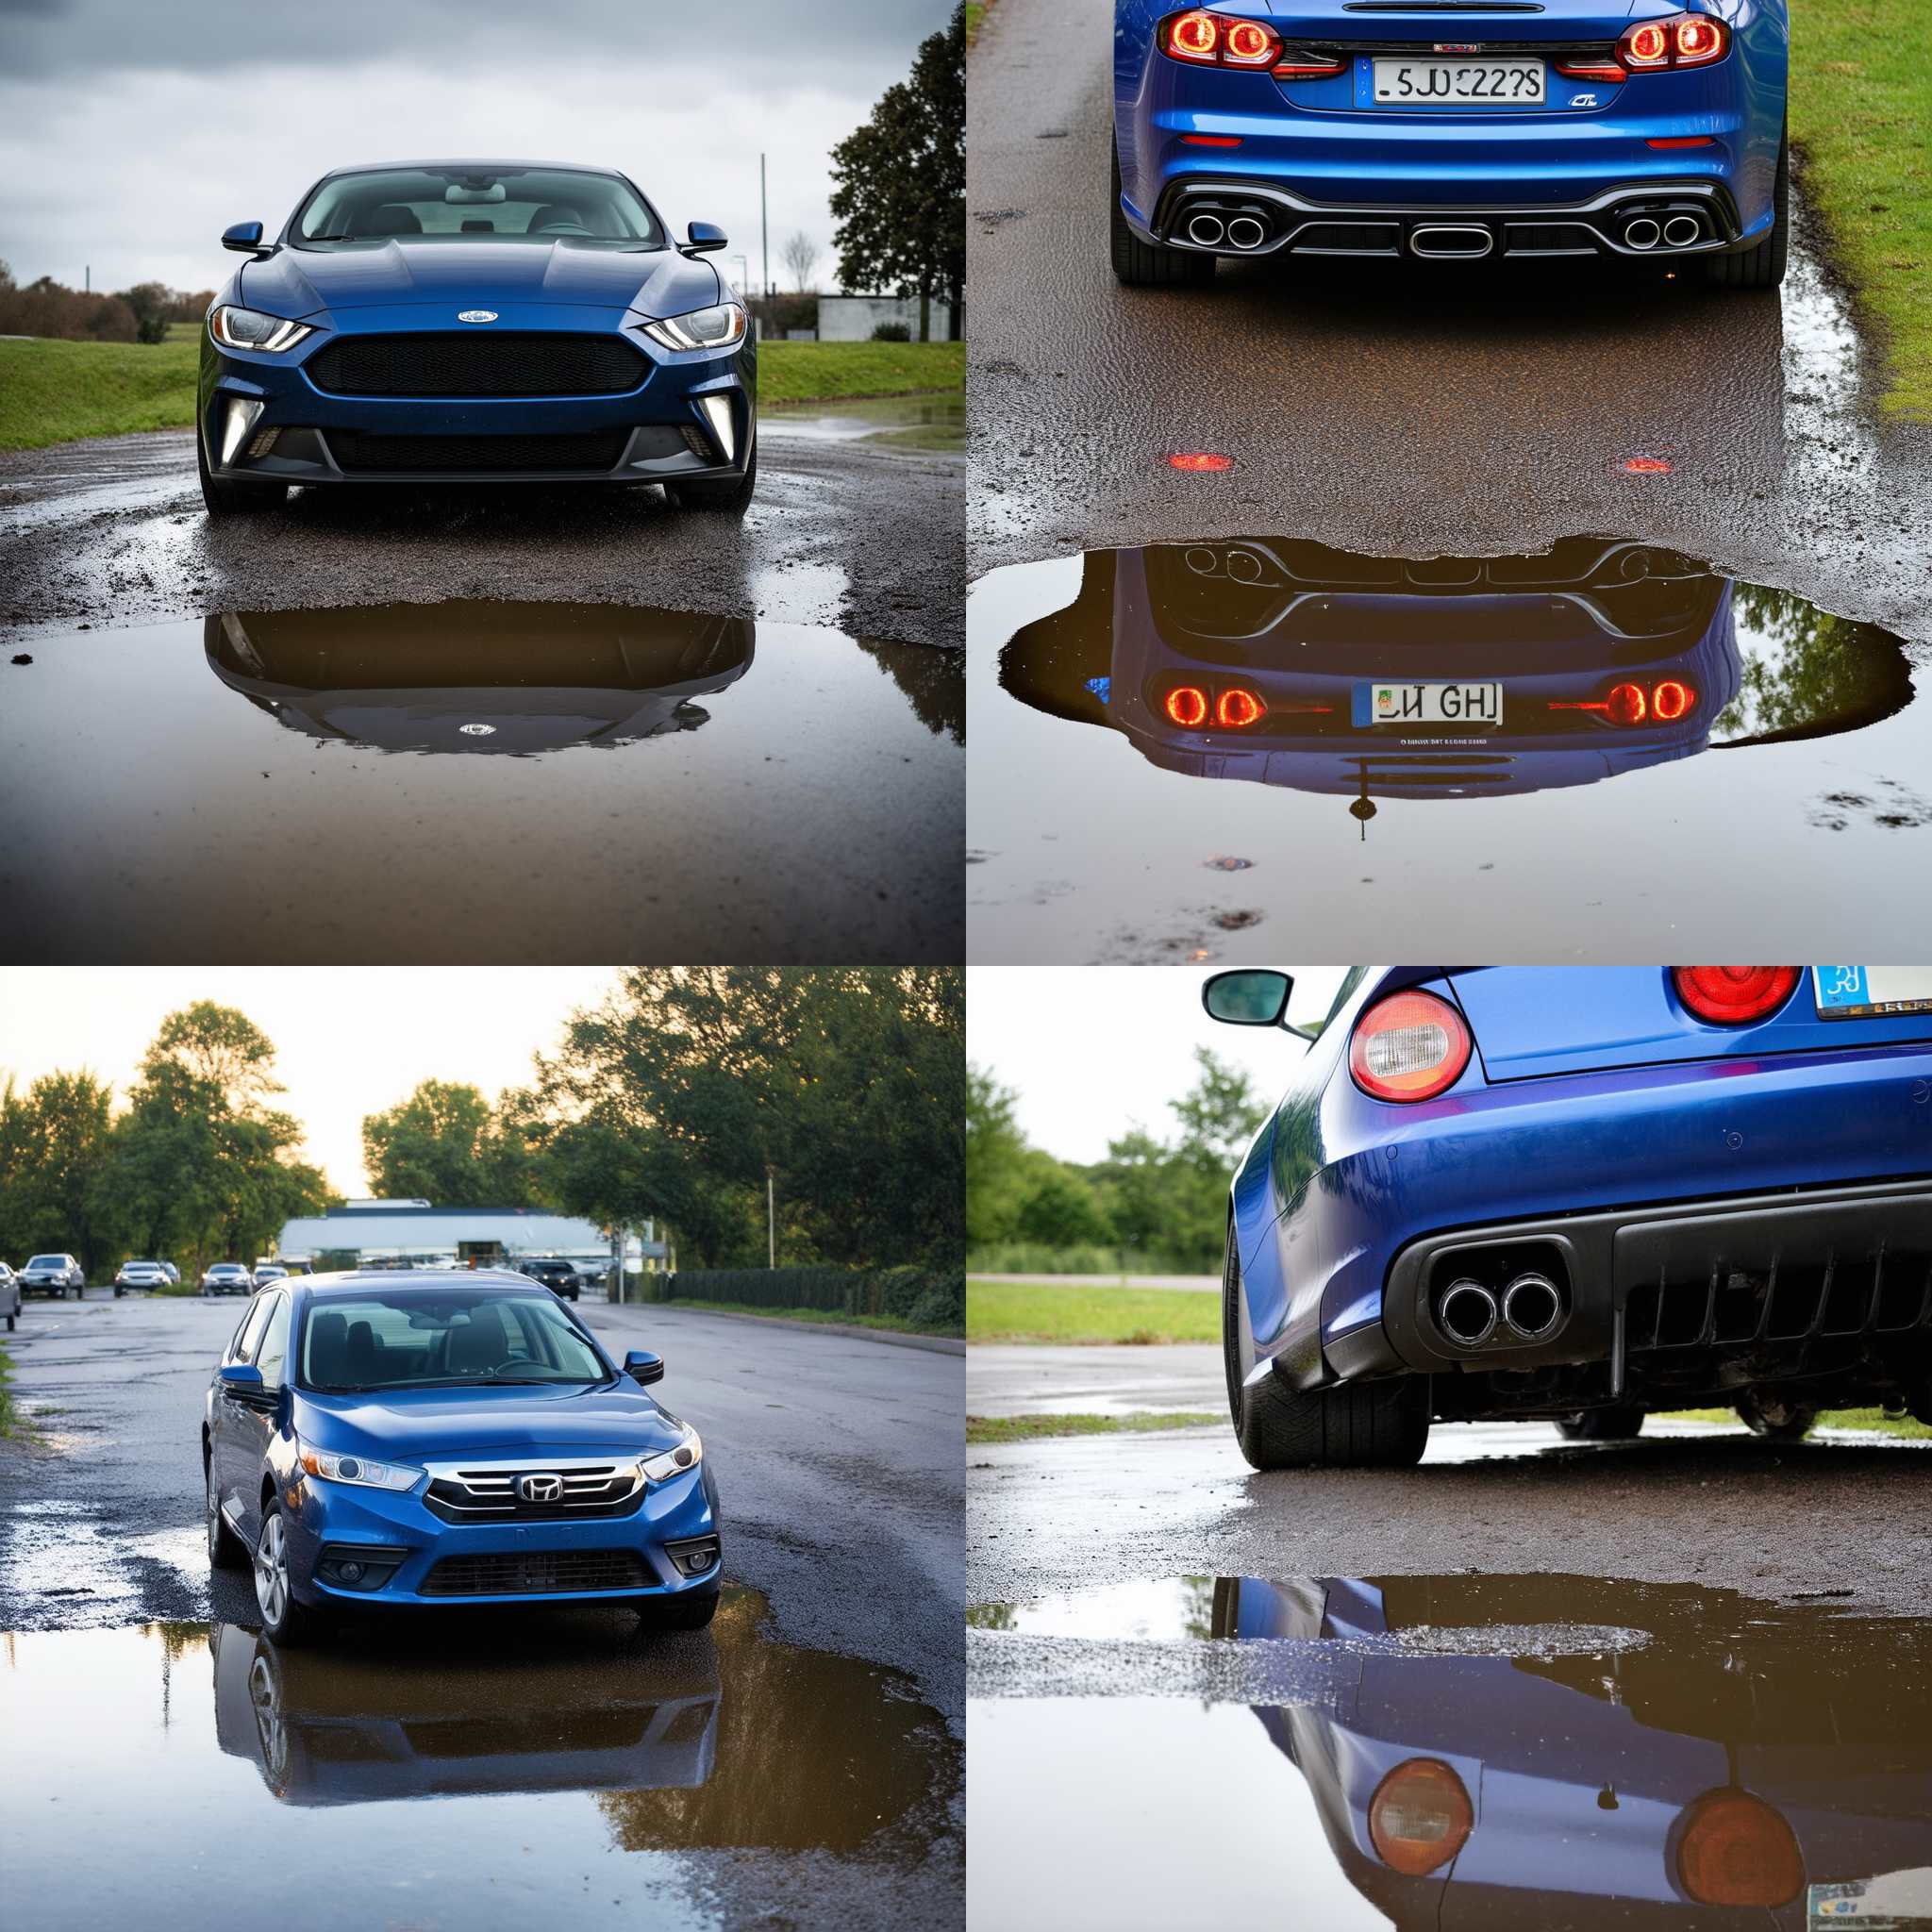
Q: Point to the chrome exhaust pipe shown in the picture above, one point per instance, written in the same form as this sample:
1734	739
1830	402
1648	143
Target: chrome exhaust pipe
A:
1468	1313
1452	240
1642	233
1532	1307
1681	230
1206	230
1245	231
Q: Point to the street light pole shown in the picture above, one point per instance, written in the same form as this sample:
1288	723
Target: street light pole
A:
765	225
770	1224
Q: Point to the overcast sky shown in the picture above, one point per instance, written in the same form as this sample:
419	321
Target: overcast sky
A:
132	132
347	1043
1093	1050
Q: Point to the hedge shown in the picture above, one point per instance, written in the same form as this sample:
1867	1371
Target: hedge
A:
932	1299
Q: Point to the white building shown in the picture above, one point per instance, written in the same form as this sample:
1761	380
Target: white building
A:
362	1231
853	318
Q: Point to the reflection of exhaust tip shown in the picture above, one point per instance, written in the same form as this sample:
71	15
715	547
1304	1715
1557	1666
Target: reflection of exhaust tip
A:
1206	230
1467	1313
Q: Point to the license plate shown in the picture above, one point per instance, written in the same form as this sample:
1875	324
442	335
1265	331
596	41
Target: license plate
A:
1458	83
1871	993
1479	704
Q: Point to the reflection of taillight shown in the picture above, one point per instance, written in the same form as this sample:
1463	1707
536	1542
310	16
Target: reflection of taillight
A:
1420	1817
1627	703
1199	462
1410	1047
1670	700
1735	1850
1238	708
1630	704
1734	995
1187	705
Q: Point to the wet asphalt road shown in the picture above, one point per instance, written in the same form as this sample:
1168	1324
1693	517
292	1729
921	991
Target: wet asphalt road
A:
844	534
1414	413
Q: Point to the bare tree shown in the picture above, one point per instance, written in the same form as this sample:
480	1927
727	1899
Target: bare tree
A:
800	256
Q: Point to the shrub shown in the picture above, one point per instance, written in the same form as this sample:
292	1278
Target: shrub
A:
927	1298
892	332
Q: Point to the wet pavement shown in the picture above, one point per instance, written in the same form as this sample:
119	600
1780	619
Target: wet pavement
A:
934	422
1225	749
1448	1751
1416	412
476	782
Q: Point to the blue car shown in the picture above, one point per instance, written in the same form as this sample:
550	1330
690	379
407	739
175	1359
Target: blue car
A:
1581	1194
483	322
448	1438
1546	130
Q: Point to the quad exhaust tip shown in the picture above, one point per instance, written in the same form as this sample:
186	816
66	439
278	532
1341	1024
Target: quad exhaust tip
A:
1206	230
1681	230
1245	231
1531	1307
1642	233
1468	1313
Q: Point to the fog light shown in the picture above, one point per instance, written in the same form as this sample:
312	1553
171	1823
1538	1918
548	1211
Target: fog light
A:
349	1573
718	414
358	1566
694	1557
242	417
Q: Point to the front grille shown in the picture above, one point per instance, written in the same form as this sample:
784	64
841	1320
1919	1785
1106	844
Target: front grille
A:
360	454
489	1495
478	365
537	1574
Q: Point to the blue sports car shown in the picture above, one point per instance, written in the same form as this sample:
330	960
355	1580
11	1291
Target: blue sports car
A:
446	1436
477	321
1462	129
1581	1194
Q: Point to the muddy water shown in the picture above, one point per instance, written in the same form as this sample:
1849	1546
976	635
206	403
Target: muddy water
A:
1448	1752
907	423
548	1770
480	781
1217	751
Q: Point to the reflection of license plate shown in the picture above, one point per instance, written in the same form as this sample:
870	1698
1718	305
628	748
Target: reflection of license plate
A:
1479	704
1458	83
1867	993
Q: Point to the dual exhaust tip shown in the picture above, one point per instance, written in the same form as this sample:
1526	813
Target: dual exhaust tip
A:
1245	232
1530	1309
1644	233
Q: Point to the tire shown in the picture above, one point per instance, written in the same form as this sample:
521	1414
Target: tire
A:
1355	1425
227	499
1762	267
225	1551
692	1610
1602	1424
120	1294
723	499
1138	264
1776	1421
13	1316
283	1619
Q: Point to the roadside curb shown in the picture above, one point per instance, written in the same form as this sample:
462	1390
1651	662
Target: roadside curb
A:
936	1344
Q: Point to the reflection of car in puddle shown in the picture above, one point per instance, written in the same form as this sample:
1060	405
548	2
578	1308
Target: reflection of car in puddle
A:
479	676
334	1727
1288	662
1723	1764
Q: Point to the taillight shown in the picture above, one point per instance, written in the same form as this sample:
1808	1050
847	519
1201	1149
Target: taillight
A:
1204	39
1696	40
1187	706
1420	1817
1679	40
1238	708
1734	995
1646	44
1194	36
1736	1850
1249	43
1410	1047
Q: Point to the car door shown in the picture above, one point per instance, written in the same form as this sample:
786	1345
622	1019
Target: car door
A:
254	1426
231	1435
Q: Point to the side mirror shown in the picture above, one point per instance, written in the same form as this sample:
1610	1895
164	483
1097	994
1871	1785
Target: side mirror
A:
244	237
641	1365
242	1380
702	237
1247	997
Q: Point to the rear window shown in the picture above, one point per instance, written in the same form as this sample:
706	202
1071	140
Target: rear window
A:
457	205
375	1340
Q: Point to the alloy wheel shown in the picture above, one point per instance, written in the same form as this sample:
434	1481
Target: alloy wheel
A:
272	1572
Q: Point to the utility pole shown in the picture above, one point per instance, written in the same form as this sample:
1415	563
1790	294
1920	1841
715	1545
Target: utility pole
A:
770	1224
87	279
765	225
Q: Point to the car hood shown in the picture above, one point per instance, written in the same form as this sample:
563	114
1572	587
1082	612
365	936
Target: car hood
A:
476	275
437	1424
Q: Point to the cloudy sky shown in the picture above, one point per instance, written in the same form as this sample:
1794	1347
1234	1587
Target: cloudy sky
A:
346	1043
132	132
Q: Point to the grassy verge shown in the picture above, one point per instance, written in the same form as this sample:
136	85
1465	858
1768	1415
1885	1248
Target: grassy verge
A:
1873	1418
1861	101
60	392
1029	1429
896	1322
975	15
9	1415
1022	1311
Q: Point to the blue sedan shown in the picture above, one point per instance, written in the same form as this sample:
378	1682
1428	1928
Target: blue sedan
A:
1644	130
477	321
1581	1194
448	1438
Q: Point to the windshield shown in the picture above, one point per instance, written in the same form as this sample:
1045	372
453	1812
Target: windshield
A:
48	1261
411	1341
455	205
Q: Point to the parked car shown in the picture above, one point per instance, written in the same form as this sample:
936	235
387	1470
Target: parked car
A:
227	1277
559	1276
10	1295
145	1275
1639	131
1583	1194
54	1274
400	1440
477	321
266	1271
173	1272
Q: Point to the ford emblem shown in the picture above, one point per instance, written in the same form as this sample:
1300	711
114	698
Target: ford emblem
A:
477	315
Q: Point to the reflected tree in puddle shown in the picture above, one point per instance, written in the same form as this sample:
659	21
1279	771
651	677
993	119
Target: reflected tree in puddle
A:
1807	671
934	683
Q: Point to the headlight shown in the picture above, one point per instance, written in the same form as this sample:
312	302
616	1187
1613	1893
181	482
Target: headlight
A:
703	328
357	1468
248	329
688	1454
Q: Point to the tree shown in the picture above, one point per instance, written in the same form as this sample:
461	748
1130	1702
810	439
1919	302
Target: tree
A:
900	198
150	302
447	1143
800	256
1062	1211
56	1154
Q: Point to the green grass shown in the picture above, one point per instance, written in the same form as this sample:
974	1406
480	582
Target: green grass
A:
9	1414
896	1322
1026	1312
53	391
1873	1418
1861	102
975	14
1029	1429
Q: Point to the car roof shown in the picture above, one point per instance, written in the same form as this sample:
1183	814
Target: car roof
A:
413	1281
500	164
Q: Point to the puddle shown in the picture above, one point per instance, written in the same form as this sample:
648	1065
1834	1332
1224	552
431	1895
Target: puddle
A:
1452	1752
481	781
1486	748
577	1772
909	423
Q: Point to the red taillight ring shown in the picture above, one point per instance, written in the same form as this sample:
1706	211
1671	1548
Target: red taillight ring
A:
1238	708
1193	35
1408	1047
1187	706
1671	700
1734	995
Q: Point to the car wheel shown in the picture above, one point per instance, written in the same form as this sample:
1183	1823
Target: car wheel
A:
1776	1420
13	1316
120	1294
1762	267
225	1551
730	499
1138	264
282	1618
228	499
692	1610
1357	1425
1619	1425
